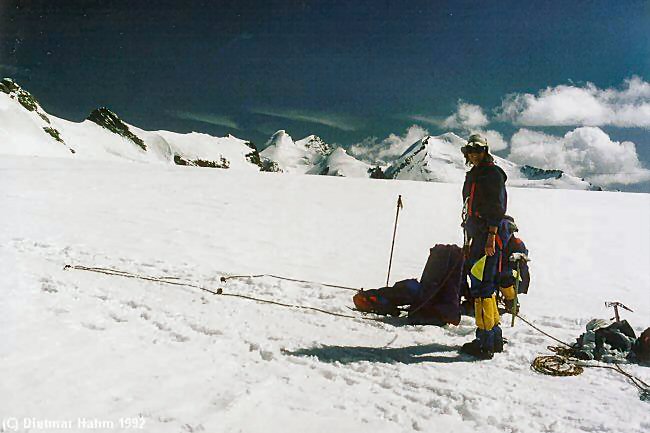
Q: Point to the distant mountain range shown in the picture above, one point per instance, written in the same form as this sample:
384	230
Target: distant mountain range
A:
26	129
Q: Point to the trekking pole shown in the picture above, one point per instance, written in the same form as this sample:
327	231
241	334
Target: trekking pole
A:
392	246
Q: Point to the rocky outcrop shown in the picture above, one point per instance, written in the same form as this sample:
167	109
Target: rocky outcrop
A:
109	120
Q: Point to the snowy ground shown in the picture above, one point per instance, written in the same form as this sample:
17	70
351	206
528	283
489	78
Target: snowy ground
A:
104	348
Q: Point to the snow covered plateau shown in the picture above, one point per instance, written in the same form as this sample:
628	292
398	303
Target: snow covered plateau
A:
84	345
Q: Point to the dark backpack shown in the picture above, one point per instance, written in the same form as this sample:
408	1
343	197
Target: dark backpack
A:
514	245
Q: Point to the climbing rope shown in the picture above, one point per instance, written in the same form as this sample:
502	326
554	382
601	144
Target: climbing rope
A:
278	277
563	363
541	331
555	365
219	292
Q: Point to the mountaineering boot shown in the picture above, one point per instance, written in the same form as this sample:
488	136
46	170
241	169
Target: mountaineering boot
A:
474	349
498	339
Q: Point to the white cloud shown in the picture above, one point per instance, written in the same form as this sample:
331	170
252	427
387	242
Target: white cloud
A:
430	120
470	119
205	118
466	117
567	105
391	147
587	152
494	138
332	120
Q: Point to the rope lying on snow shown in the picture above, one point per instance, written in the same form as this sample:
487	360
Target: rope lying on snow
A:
541	331
561	364
564	363
570	353
230	277
219	292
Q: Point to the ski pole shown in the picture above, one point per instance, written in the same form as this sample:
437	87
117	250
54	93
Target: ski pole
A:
392	246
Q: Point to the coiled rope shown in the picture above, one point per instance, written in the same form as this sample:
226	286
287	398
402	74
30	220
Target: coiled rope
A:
565	363
555	365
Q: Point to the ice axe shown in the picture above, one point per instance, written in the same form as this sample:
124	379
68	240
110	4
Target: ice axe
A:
616	305
517	258
392	246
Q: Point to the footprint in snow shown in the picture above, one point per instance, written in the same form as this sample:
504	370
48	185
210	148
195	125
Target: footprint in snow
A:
178	337
48	286
92	326
161	326
203	330
328	374
117	318
135	305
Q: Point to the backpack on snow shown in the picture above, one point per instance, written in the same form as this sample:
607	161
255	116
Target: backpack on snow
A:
435	299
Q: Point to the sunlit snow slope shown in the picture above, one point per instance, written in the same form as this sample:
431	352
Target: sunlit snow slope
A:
79	344
26	129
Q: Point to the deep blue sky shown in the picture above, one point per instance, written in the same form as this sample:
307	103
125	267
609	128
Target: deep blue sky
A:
366	63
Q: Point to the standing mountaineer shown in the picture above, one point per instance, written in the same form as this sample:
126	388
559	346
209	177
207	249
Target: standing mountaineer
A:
485	229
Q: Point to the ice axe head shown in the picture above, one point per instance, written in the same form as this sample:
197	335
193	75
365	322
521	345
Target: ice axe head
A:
516	257
617	304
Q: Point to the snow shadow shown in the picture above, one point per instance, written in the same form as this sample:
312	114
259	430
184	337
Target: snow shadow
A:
387	355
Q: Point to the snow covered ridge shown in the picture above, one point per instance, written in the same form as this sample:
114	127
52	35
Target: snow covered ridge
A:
29	104
26	129
312	155
437	159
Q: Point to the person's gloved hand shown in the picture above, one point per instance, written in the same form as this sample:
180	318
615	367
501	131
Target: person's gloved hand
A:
490	247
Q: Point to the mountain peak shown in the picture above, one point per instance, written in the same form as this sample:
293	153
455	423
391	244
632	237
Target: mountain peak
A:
109	120
450	136
26	99
280	138
297	157
8	85
314	142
